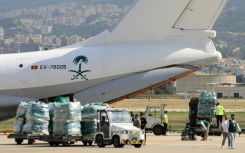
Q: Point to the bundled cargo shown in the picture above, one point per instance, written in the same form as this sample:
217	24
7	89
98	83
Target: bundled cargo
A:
89	117
36	126
207	97
67	117
66	128
21	111
18	125
88	126
37	118
207	104
20	117
37	110
67	111
93	107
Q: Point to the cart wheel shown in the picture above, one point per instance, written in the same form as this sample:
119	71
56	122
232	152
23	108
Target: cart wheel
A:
116	142
157	130
85	143
100	141
90	143
30	141
51	144
19	141
137	145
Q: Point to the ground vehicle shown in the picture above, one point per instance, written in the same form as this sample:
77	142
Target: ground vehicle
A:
154	115
111	126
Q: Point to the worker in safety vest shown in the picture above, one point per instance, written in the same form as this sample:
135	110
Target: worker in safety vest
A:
165	121
219	114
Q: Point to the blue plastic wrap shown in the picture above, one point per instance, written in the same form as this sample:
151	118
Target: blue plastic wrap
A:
21	111
20	117
18	125
37	118
207	104
93	107
37	126
89	117
67	111
37	110
67	117
66	128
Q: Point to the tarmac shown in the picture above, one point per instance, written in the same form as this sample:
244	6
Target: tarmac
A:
155	144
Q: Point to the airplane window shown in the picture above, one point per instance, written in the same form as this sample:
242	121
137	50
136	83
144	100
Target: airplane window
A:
21	65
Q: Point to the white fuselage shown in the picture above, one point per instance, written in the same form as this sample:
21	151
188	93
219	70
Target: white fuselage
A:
18	77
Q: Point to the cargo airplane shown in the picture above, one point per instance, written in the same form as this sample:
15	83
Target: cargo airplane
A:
156	42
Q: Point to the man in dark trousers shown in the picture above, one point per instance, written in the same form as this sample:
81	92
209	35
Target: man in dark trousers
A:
143	123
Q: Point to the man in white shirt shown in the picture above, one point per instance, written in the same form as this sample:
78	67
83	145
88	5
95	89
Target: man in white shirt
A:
224	129
233	128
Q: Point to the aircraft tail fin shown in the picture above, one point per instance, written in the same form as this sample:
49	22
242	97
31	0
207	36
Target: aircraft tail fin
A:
153	20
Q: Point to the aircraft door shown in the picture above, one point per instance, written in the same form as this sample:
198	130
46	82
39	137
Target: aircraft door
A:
104	124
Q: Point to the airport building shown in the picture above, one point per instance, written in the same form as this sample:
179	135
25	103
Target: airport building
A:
225	90
221	83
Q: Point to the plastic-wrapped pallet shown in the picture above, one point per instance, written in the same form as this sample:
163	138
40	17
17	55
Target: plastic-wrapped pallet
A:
207	97
18	125
20	117
37	110
37	118
93	107
67	117
67	128
21	111
207	104
89	117
36	126
67	111
88	126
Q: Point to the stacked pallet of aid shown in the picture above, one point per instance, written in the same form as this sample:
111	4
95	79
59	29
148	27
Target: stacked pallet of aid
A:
89	117
207	104
67	117
37	118
20	117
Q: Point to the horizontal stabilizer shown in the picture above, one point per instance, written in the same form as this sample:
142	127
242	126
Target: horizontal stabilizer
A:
200	14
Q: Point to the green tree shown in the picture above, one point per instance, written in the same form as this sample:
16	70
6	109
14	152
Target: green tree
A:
166	89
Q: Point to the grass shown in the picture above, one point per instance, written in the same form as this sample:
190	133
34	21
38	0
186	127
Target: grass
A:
178	120
6	125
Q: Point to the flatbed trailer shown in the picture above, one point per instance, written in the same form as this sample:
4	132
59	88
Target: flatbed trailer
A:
52	140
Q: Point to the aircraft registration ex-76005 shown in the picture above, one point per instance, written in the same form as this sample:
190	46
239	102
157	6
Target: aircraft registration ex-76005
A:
156	42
